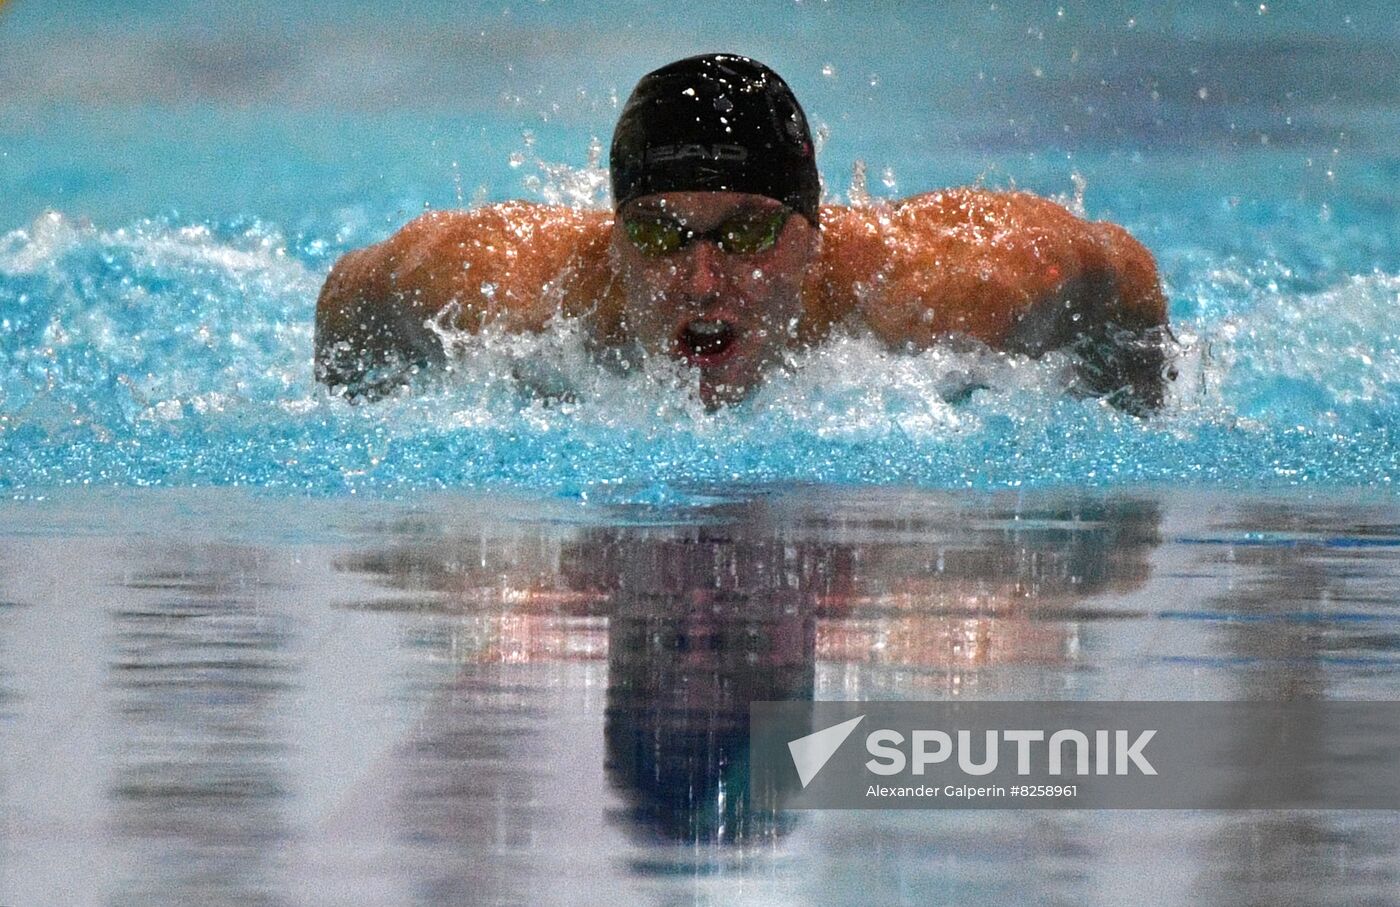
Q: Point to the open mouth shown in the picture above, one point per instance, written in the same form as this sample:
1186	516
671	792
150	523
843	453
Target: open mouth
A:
707	340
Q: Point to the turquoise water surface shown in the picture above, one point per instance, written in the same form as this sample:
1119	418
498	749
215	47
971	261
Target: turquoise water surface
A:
175	183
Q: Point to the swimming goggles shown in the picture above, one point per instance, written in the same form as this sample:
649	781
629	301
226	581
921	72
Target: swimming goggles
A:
743	234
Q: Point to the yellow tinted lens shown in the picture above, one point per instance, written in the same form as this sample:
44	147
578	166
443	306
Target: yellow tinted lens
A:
655	237
753	233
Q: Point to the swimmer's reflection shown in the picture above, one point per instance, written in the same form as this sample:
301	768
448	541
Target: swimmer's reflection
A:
696	634
921	599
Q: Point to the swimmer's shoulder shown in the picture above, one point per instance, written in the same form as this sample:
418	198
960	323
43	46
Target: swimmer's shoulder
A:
514	232
511	259
875	233
972	242
513	264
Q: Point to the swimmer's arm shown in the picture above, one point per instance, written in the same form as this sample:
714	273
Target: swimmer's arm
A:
369	336
516	265
1013	270
1111	315
373	313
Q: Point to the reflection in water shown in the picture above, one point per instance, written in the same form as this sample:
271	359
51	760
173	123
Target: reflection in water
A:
450	707
199	783
953	601
1290	618
704	618
700	626
5	694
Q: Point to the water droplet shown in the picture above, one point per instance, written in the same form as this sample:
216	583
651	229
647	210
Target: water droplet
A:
828	70
859	193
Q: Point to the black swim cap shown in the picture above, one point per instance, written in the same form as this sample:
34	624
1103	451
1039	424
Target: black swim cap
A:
715	123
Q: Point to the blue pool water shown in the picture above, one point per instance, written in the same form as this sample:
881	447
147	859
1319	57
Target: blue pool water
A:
175	183
439	649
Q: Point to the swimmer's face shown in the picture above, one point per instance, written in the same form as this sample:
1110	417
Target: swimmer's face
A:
713	279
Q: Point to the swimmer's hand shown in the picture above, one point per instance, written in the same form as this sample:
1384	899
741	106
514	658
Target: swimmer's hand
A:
368	341
1128	368
1121	352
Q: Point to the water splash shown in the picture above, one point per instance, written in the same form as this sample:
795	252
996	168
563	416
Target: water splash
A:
859	193
558	183
181	355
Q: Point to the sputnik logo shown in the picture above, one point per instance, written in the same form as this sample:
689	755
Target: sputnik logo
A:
812	752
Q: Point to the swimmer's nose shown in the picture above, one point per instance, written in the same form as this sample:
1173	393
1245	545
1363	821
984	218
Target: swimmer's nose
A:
705	264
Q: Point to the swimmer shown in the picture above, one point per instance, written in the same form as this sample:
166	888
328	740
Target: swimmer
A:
718	254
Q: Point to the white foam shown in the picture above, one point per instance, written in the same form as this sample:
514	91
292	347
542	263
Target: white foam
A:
1342	342
25	252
